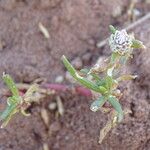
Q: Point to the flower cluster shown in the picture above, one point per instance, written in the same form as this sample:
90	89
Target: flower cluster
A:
120	41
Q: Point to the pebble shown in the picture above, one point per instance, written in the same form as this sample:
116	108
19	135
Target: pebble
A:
59	79
77	63
45	116
60	106
86	57
44	30
52	106
117	11
45	146
136	12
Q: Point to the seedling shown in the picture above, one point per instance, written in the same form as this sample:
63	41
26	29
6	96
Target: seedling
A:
15	103
105	78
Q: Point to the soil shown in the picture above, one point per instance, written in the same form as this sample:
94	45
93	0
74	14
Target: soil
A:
75	27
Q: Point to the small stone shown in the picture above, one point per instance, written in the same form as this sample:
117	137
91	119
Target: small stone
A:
45	116
137	12
86	57
45	146
77	63
52	106
44	30
66	138
60	106
59	79
117	11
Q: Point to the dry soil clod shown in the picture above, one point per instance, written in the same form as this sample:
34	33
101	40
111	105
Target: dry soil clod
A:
44	30
59	79
52	106
60	106
45	146
45	117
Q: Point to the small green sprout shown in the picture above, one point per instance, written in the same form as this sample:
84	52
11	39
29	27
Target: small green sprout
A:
106	79
15	103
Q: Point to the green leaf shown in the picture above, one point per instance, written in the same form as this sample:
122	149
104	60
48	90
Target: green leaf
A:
7	119
14	100
126	77
10	83
103	89
8	111
114	102
97	104
69	67
112	29
85	71
114	56
123	59
87	83
96	77
110	71
137	44
109	82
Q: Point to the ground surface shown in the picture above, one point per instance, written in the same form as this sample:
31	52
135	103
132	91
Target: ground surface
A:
75	27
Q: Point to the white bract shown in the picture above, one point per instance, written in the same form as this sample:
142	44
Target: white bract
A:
120	41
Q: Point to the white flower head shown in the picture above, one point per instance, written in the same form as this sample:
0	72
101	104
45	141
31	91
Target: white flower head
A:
120	41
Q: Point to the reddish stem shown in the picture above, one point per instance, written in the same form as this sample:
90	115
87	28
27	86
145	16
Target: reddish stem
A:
61	87
83	91
55	86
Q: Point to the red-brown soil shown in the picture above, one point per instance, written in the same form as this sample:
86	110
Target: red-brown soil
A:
75	27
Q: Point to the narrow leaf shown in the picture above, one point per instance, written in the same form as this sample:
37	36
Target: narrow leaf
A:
103	89
114	102
97	104
7	119
69	67
8	111
112	29
87	83
114	57
123	59
137	44
10	83
85	71
126	77
14	100
109	82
